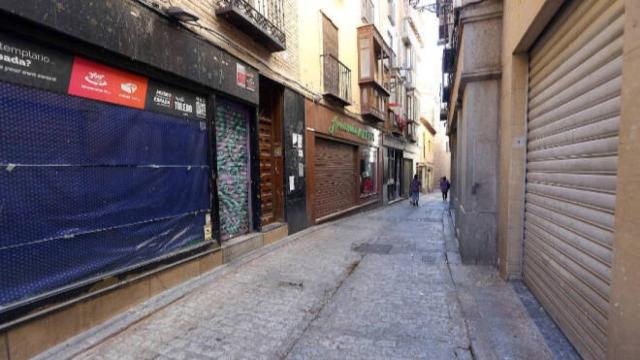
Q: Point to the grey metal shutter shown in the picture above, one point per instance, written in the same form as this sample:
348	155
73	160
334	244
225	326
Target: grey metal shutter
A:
575	80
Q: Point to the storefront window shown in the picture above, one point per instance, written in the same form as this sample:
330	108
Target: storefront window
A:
368	171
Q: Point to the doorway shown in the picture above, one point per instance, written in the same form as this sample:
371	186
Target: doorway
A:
232	147
270	148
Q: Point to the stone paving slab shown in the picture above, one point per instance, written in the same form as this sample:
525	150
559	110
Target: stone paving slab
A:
385	284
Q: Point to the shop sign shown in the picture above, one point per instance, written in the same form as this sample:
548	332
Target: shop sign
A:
37	66
241	76
251	81
337	125
100	82
173	101
27	64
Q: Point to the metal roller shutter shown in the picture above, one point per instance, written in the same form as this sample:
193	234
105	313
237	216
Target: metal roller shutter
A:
334	177
575	78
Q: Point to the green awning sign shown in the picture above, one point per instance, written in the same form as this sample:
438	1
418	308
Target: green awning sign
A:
337	125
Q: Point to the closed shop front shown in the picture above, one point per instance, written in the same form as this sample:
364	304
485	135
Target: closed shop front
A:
398	167
232	147
335	168
344	166
572	151
104	171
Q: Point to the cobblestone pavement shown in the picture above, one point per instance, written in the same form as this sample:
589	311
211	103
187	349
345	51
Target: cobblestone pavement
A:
377	285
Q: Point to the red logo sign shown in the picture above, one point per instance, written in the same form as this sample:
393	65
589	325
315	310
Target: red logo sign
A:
241	75
100	82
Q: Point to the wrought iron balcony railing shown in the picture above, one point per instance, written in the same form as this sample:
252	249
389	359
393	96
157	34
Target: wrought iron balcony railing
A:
263	20
336	79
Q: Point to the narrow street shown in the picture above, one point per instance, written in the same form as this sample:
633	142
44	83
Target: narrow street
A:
385	284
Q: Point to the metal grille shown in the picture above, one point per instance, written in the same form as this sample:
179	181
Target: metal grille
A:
336	78
267	14
233	168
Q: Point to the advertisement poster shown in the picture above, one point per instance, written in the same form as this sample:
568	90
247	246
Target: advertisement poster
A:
173	101
251	81
100	82
32	65
241	75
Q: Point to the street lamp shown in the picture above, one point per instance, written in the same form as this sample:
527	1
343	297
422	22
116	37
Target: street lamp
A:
179	14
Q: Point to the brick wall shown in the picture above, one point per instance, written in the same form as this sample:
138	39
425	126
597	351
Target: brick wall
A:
282	66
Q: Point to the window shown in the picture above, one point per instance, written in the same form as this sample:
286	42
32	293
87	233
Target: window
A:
410	108
424	141
408	56
368	171
365	58
391	169
392	11
390	36
367	11
329	37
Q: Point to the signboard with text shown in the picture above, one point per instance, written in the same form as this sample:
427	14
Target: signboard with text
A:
241	76
326	121
28	64
100	82
25	63
173	101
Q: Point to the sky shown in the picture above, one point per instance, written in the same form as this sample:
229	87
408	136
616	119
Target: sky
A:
430	65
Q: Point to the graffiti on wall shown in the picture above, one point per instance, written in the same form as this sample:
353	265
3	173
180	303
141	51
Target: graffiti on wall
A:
233	169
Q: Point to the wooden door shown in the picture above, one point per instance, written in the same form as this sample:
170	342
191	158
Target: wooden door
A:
271	153
267	167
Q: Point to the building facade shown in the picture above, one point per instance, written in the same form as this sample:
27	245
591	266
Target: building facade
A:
426	169
153	149
551	108
471	86
361	129
181	136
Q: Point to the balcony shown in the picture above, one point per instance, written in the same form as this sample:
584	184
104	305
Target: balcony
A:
374	104
397	124
444	112
409	80
446	94
375	61
405	30
336	80
448	61
263	20
411	132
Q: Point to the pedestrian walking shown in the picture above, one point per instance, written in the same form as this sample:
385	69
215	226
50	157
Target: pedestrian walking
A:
444	187
415	190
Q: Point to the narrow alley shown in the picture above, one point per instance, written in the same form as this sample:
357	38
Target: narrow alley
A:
385	284
230	179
